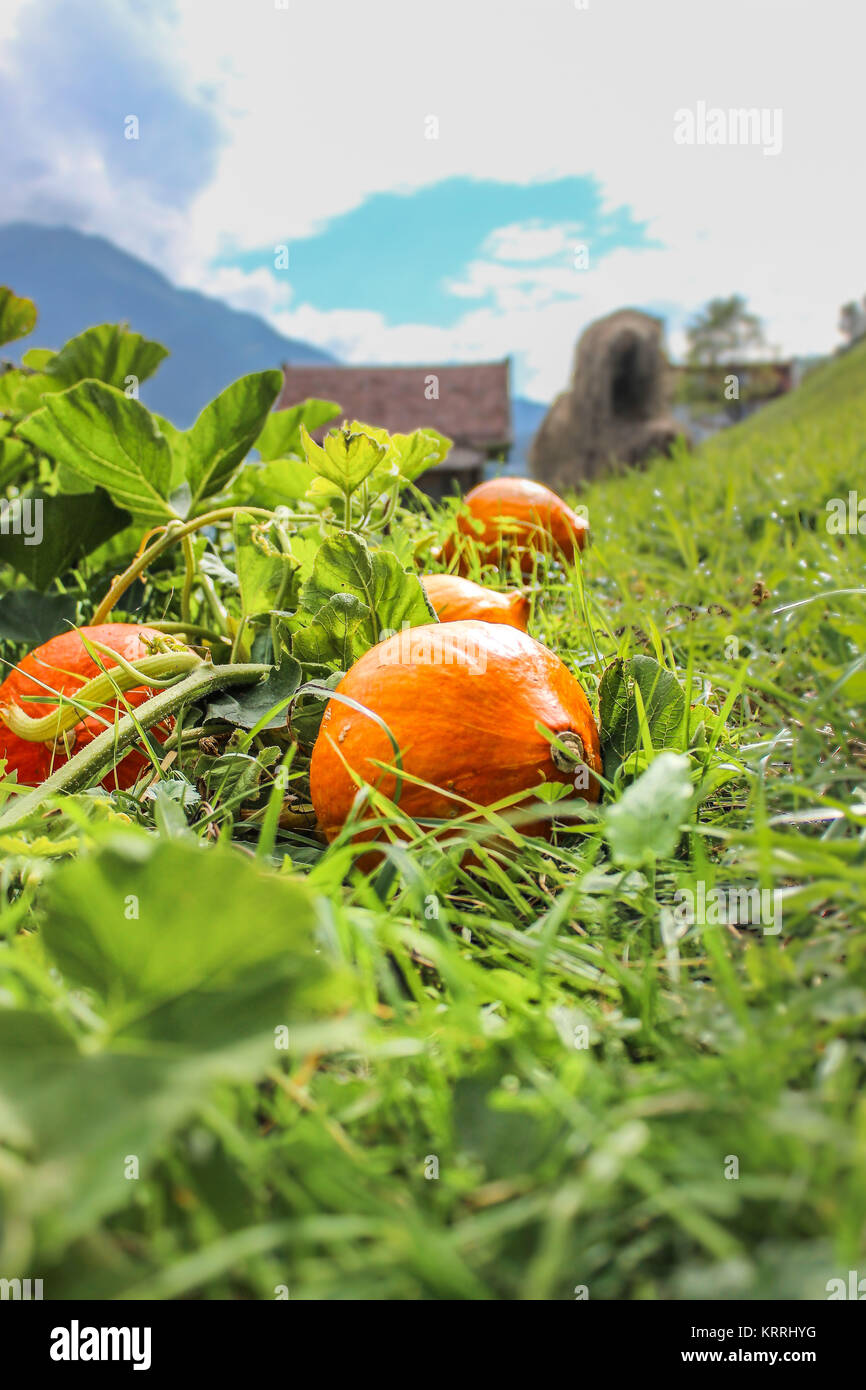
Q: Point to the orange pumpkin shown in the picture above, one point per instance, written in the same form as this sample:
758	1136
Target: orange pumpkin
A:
517	517
63	664
462	701
454	598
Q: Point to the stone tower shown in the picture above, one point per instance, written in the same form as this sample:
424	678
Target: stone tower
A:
617	409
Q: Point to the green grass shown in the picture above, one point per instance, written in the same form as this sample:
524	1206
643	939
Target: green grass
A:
579	1083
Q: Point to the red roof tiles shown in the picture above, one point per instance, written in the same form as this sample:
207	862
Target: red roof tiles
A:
472	406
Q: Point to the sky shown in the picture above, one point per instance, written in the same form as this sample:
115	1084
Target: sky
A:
421	181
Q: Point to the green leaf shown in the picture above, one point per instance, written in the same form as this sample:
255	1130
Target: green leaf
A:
226	430
112	441
394	597
417	452
280	483
502	1142
37	359
199	958
145	920
79	1116
177	440
247	706
73	525
17	316
345	458
168	799
337	636
263	569
22	392
26	616
407	454
645	823
309	710
619	715
15	459
108	352
281	435
231	775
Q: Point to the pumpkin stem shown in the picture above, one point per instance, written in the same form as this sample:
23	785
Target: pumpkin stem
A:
573	752
92	762
161	669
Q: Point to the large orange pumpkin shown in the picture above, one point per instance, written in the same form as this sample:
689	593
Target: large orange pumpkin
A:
517	517
462	701
454	598
63	664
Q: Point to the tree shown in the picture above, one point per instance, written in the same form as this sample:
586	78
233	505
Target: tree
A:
723	331
852	320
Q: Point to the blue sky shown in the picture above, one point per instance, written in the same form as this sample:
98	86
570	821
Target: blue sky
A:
401	253
307	123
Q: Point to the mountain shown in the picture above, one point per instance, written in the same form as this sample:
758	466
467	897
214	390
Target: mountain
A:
77	280
526	416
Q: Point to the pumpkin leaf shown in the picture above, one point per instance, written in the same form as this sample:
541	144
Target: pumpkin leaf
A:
263	568
27	616
620	714
393	596
415	453
408	455
37	359
182	935
225	431
246	706
280	483
309	709
22	392
645	824
17	316
345	458
112	441
281	436
177	446
15	458
72	525
108	352
338	635
159	931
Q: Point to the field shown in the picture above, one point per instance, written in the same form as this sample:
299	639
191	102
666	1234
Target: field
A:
234	1066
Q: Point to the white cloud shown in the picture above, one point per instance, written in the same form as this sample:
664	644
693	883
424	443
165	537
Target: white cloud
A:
73	74
256	291
324	103
531	241
515	287
9	16
529	91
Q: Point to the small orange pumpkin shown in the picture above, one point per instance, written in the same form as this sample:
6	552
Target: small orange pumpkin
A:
63	665
518	517
462	700
454	598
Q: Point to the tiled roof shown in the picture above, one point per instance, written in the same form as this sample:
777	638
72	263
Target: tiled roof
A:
472	408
